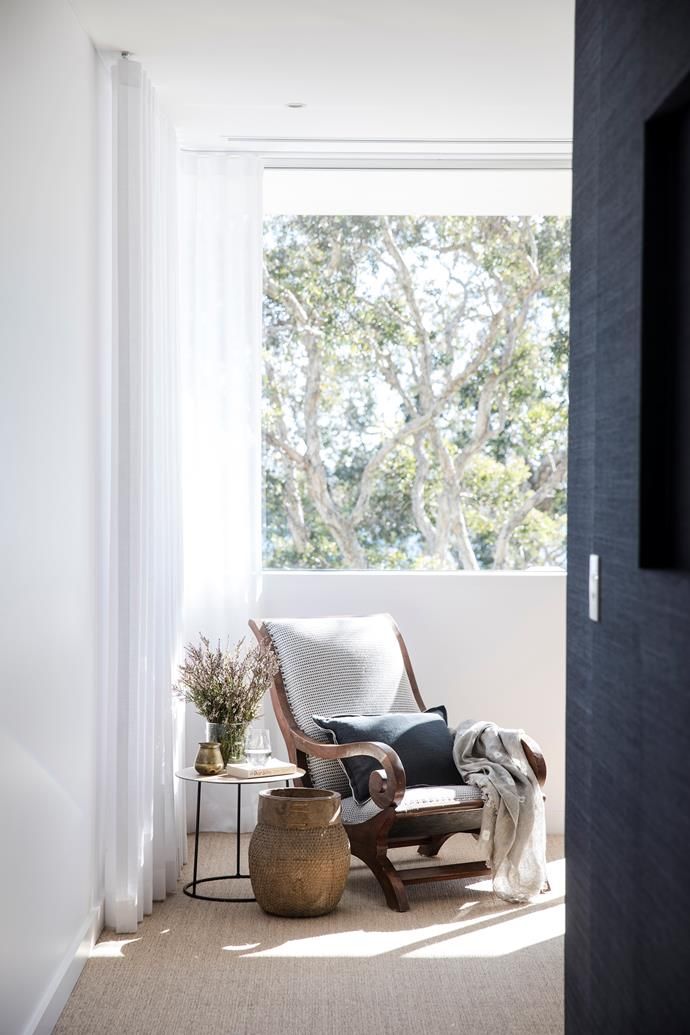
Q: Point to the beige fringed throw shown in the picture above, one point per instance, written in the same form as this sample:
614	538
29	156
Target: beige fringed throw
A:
513	832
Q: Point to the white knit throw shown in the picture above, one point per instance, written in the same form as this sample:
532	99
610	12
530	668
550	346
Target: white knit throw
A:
513	832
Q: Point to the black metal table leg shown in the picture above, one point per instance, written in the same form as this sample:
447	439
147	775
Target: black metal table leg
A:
238	825
196	835
237	875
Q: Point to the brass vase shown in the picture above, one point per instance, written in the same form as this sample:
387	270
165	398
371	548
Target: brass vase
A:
209	760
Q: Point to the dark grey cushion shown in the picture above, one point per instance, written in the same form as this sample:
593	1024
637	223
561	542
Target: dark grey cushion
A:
422	740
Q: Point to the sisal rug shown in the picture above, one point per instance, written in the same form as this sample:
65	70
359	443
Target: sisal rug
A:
460	960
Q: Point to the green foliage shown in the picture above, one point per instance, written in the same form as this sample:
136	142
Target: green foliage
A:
455	328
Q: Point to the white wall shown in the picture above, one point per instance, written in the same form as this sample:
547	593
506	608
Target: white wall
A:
53	245
487	645
424	192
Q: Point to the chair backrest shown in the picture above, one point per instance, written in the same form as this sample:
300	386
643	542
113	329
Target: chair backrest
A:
340	666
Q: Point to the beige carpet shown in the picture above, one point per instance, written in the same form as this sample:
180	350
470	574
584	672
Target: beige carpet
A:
459	961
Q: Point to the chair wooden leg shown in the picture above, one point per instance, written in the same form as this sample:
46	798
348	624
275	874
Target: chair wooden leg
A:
433	846
369	842
393	888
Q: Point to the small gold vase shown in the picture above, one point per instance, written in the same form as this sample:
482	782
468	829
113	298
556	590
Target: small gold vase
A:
209	760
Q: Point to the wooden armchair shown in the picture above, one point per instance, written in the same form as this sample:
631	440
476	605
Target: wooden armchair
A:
347	665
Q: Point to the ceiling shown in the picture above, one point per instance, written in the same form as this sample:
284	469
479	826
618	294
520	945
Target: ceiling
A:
379	69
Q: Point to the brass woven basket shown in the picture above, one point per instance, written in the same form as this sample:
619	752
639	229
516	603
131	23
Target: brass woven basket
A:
299	854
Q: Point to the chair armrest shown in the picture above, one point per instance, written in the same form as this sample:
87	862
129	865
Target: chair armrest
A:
535	758
385	791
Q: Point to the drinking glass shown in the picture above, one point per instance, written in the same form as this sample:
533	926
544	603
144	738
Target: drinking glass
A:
257	747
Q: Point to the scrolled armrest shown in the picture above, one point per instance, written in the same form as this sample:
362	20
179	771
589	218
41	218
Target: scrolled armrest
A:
385	790
535	758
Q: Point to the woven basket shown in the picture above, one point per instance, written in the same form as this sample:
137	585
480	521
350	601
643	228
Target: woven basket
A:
299	854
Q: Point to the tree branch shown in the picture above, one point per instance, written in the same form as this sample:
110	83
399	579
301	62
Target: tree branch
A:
405	280
549	484
421	473
341	527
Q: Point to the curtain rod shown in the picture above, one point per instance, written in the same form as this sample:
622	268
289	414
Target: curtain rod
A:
395	141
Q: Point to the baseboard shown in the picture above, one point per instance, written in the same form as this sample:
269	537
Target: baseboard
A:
52	1003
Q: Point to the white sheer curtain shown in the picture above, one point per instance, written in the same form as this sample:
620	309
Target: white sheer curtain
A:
221	329
145	825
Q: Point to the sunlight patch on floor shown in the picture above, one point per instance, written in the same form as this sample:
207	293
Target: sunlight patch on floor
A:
112	949
498	939
496	935
358	943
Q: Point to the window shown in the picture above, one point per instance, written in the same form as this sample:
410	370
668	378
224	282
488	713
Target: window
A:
415	391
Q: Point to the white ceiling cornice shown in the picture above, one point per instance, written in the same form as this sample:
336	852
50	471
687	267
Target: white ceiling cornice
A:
403	153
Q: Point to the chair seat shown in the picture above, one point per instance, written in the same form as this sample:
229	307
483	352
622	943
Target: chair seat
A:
415	799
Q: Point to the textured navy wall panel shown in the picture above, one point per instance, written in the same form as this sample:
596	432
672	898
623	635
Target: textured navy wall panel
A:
628	722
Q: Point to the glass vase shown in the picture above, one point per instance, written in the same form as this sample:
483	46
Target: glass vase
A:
235	733
230	736
215	731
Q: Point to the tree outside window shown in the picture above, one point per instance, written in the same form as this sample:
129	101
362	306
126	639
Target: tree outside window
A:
415	392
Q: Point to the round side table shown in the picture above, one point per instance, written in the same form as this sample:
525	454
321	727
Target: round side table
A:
191	774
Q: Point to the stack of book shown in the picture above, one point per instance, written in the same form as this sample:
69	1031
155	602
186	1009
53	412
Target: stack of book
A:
251	770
